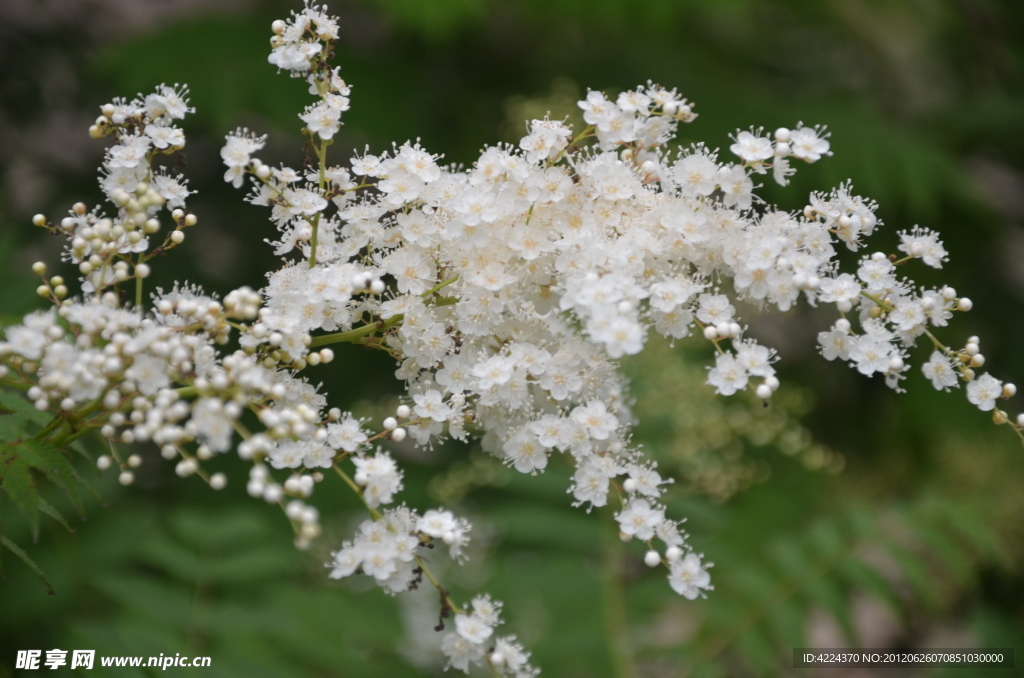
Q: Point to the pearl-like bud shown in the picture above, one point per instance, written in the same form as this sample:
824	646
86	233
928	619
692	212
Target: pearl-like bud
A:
764	391
652	558
218	481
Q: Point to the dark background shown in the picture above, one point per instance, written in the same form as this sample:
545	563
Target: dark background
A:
844	514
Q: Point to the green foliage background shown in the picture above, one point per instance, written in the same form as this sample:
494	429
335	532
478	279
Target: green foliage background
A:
842	515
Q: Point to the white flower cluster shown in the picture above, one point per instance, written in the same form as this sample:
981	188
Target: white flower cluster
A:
504	291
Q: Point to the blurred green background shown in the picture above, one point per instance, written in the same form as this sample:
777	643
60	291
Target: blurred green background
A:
843	515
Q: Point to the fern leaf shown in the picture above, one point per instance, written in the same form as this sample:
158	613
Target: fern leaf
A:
20	487
43	456
16	550
47	508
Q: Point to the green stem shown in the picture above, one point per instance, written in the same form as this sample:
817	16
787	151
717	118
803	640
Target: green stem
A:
356	333
138	285
613	598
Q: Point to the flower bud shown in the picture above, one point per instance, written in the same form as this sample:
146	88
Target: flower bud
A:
652	558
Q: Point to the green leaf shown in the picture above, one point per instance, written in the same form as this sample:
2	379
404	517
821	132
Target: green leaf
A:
20	486
12	428
16	550
45	457
16	403
867	579
47	508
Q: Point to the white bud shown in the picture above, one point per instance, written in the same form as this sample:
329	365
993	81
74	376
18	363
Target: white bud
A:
972	348
648	167
377	287
844	306
67	404
896	364
273	493
977	360
1009	390
103	462
403	411
449	538
142	270
39	220
134	461
964	304
126	478
652	558
218	481
398	435
843	325
390	424
948	293
629	485
326	355
710	333
772	382
1020	419
782	134
673	553
764	391
177	237
927	304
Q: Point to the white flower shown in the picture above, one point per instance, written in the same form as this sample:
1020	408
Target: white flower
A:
752	148
688	577
596	419
639	519
729	375
430	405
983	392
473	628
939	369
807	144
